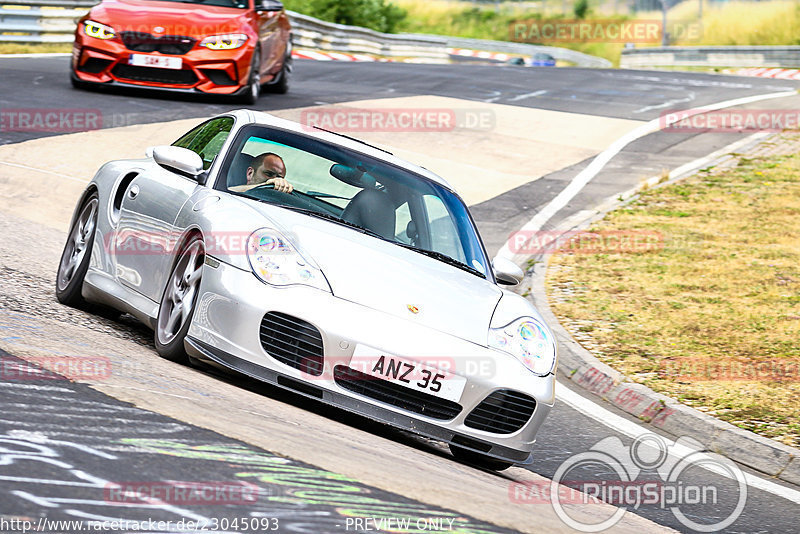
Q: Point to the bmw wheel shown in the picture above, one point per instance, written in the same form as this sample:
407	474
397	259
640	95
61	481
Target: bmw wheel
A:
253	91
281	84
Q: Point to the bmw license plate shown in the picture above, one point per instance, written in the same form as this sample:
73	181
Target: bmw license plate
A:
409	373
161	62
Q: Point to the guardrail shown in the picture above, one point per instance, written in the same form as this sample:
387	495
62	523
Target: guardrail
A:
711	56
53	21
564	54
316	34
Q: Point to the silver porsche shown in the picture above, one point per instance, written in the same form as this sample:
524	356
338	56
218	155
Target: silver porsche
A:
320	264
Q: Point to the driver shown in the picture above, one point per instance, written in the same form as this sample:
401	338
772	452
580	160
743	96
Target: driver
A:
266	168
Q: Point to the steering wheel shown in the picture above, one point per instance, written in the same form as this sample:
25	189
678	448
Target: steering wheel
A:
269	186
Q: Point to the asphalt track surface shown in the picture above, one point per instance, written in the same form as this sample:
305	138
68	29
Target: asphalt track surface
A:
152	440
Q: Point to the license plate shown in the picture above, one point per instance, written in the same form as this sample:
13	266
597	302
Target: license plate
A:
161	62
409	373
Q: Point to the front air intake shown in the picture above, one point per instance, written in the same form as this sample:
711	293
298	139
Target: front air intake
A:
292	341
502	412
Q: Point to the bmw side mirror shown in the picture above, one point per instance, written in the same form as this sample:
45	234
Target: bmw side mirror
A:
180	160
506	271
269	5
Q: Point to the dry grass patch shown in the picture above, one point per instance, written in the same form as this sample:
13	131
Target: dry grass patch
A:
713	317
34	48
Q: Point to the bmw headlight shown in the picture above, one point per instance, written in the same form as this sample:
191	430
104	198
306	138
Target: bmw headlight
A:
277	262
529	341
97	30
224	42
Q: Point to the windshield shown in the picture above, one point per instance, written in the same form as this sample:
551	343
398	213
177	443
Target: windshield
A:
239	4
355	190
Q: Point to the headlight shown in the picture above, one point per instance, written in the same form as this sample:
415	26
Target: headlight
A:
276	262
97	30
224	42
529	341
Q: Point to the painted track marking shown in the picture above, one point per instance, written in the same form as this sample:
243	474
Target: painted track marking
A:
633	430
599	162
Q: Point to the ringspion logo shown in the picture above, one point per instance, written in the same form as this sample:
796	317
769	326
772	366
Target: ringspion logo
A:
652	472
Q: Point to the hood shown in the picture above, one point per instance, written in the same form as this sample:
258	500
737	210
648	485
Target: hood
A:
389	278
177	18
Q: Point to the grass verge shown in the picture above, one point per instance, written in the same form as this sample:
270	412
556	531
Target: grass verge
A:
43	48
712	316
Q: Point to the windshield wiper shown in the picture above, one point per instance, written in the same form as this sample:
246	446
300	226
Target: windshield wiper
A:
317	194
443	258
334	218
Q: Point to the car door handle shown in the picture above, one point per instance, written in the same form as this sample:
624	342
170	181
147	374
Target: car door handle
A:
133	192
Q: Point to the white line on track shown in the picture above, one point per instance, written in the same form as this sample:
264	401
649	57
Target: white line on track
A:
43	54
667	104
600	161
59	174
634	430
527	95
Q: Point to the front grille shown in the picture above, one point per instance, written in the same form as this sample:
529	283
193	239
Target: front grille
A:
396	395
502	412
154	74
176	45
219	77
94	65
292	341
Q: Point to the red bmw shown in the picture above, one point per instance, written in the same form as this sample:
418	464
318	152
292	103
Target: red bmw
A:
224	47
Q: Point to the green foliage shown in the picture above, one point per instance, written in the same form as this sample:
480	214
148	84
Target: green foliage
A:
580	9
378	15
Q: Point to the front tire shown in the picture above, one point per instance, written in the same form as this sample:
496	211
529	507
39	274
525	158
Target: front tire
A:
250	96
77	83
179	301
478	460
77	253
281	84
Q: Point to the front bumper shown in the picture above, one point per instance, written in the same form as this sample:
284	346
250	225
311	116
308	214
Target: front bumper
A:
226	325
205	71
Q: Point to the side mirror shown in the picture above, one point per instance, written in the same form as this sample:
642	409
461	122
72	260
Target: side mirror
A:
506	271
180	160
269	5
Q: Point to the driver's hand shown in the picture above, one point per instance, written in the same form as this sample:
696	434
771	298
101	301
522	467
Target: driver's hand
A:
281	184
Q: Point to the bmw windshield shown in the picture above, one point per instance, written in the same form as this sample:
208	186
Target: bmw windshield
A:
356	190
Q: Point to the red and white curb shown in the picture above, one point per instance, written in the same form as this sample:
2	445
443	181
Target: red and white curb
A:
318	55
332	56
482	54
781	74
